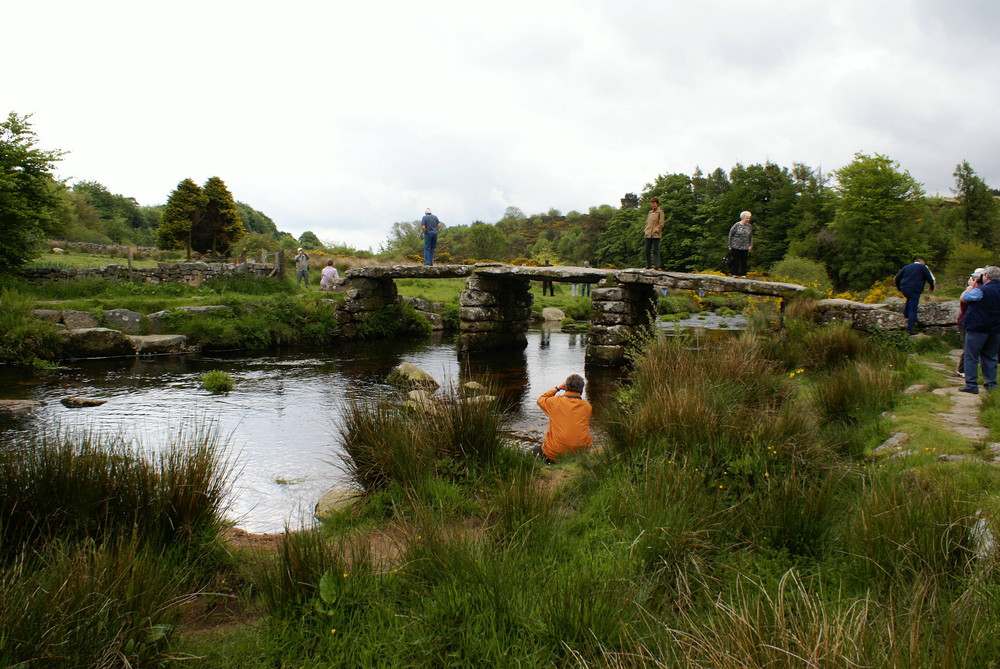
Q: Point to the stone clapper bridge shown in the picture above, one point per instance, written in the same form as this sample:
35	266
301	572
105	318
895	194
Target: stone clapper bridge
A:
496	304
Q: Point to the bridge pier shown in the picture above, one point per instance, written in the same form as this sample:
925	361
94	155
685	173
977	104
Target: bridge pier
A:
494	313
365	295
619	311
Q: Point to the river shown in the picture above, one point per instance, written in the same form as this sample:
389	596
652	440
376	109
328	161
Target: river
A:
280	422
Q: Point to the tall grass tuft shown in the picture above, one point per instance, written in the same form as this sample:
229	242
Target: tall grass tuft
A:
855	393
910	526
78	486
24	339
387	442
92	604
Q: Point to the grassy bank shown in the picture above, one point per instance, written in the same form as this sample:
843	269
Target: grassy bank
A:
99	544
734	517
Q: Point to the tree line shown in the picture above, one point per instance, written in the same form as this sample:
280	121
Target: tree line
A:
852	227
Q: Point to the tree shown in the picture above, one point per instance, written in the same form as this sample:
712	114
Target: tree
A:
29	204
256	221
681	229
181	216
309	241
220	223
620	244
979	210
877	220
486	242
404	239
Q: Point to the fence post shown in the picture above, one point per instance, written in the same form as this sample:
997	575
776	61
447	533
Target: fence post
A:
130	263
281	265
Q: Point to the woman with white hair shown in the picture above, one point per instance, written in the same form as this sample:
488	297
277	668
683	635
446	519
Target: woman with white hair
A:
740	244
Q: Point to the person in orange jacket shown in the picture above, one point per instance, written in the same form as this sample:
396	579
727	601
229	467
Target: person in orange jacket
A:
569	420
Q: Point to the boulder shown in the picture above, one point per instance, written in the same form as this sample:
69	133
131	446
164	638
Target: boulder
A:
938	313
50	315
205	309
157	344
80	402
553	314
96	343
123	319
408	375
872	319
157	320
475	388
78	320
895	442
336	499
18	406
58	251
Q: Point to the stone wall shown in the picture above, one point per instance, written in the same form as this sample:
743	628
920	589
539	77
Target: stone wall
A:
934	317
365	296
619	311
494	313
191	273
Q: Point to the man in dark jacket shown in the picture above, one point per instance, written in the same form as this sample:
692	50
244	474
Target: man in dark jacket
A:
910	282
982	331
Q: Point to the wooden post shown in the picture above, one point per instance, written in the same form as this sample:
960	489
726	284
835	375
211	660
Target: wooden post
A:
130	263
281	265
263	257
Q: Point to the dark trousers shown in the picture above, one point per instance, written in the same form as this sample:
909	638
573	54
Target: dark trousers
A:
910	310
652	248
738	258
585	290
547	286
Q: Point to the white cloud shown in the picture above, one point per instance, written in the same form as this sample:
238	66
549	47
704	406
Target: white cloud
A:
345	117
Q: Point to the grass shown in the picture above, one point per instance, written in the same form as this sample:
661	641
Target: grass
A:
216	382
99	542
732	517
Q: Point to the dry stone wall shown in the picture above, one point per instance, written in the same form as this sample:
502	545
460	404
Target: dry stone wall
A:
191	273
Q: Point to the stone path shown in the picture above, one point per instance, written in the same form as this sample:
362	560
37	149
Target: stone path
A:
963	415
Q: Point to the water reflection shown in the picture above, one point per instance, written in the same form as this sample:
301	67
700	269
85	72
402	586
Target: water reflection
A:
282	418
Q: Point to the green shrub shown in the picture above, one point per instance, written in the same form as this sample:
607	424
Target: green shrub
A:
392	321
216	382
802	271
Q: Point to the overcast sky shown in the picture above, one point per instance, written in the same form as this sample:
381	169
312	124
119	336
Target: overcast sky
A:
343	117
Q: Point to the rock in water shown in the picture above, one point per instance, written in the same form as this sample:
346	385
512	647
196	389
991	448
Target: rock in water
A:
80	402
408	375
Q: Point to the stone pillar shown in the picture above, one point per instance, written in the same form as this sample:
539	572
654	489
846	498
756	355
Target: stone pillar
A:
365	295
619	311
494	313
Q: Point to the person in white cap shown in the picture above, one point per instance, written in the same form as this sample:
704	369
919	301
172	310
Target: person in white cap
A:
429	226
301	268
975	281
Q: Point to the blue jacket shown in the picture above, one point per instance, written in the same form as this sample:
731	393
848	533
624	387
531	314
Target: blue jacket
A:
430	223
911	279
983	312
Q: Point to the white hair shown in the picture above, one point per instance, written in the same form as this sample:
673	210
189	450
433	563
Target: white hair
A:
993	272
745	214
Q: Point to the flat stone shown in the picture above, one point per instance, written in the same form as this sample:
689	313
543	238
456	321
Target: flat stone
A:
974	433
895	442
203	309
78	320
126	320
96	343
50	315
159	343
916	388
948	457
81	402
18	406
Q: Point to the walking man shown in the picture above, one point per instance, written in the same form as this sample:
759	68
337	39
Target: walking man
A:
429	226
910	282
301	268
982	331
